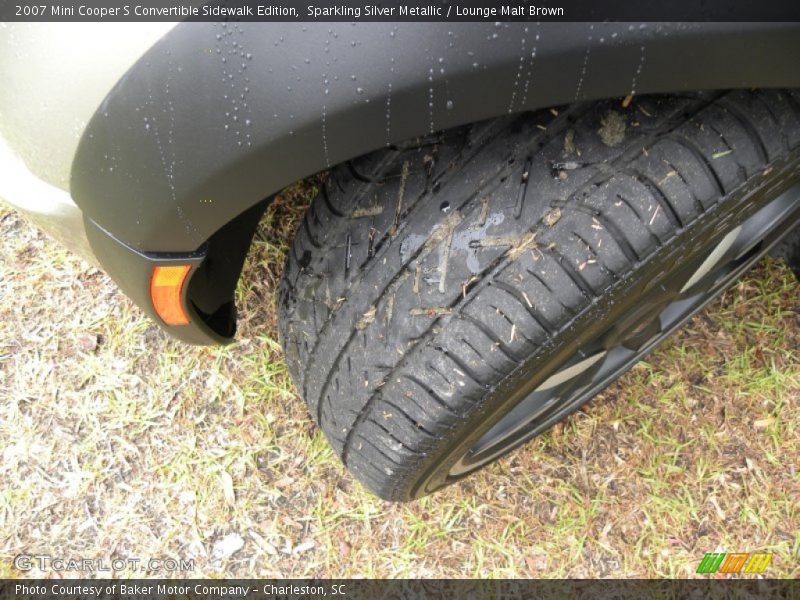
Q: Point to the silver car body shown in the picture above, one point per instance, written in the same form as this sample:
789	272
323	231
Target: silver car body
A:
55	75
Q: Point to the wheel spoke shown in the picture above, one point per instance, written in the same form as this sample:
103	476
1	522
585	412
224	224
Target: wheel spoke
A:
538	402
643	336
675	311
717	256
569	373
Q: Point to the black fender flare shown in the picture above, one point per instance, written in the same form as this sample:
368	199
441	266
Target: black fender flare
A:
216	117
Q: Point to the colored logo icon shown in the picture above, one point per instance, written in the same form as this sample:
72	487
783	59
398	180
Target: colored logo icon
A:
727	562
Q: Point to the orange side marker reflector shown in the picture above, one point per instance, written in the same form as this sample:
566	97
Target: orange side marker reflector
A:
166	287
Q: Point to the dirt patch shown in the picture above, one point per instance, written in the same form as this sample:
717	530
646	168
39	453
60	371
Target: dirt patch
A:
612	128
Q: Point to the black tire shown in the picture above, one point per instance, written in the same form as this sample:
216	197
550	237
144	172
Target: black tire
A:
434	285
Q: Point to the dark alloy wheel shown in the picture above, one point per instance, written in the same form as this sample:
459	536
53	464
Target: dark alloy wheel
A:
657	312
451	298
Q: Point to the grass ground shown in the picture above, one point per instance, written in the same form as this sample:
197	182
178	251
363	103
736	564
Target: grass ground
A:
118	442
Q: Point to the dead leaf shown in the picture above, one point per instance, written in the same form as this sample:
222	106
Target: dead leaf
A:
227	546
304	547
283	482
87	341
263	544
227	487
763	423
